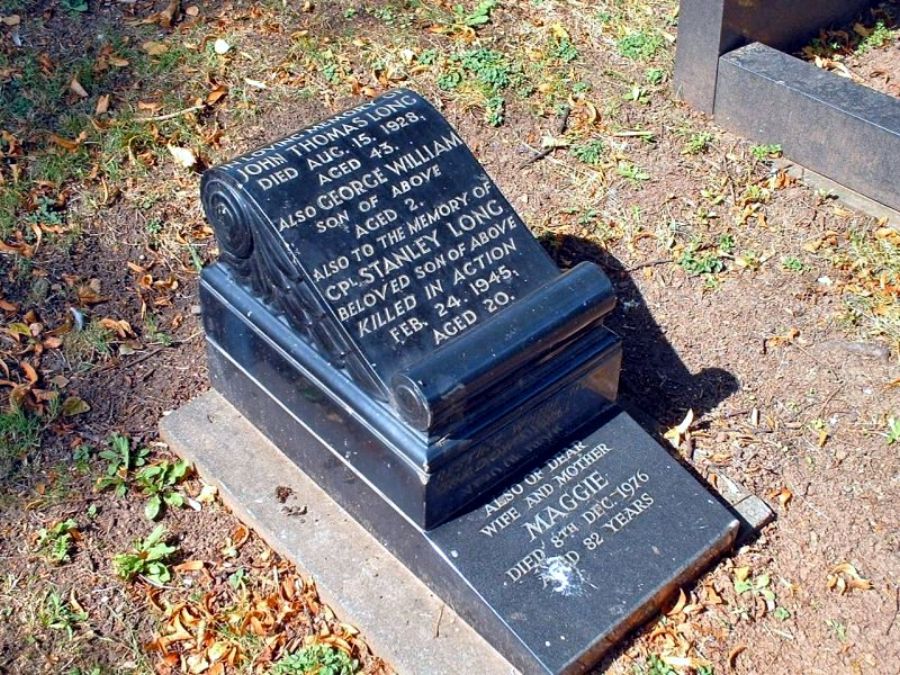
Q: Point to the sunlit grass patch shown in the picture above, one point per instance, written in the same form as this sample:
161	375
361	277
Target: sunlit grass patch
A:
20	434
869	259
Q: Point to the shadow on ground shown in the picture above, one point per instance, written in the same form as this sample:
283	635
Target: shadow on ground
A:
654	383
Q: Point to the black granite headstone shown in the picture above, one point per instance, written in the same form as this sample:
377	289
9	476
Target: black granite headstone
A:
385	317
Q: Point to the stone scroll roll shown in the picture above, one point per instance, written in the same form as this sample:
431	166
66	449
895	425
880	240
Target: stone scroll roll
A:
379	238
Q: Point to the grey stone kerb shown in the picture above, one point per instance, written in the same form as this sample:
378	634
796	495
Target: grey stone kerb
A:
404	622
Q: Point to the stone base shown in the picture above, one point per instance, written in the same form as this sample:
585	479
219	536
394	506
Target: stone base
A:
552	571
403	621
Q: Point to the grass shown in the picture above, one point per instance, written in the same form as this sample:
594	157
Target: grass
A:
20	434
86	346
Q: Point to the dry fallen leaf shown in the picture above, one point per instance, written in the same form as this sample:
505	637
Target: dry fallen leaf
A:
76	87
30	373
216	94
207	494
120	327
67	143
102	105
193	10
675	434
189	566
11	20
845	577
74	406
734	653
184	157
783	495
170	14
741	573
154	48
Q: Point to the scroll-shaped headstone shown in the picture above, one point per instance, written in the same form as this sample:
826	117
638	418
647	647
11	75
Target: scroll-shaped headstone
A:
383	315
377	233
383	244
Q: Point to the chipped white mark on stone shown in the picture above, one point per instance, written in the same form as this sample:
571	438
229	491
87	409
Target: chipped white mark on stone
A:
562	576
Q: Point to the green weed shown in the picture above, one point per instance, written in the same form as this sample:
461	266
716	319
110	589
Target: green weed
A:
74	6
589	152
697	263
427	57
57	614
838	628
893	430
148	559
793	264
637	94
655	75
632	172
486	72
697	143
153	333
654	666
318	659
55	543
880	36
121	458
763	152
158	482
563	50
640	45
781	613
479	16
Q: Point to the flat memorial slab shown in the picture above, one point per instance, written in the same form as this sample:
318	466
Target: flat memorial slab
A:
404	622
556	568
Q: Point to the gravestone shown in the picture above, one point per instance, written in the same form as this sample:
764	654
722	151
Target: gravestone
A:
384	316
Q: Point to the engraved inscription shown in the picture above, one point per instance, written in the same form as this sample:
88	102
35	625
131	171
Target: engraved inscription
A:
398	229
567	510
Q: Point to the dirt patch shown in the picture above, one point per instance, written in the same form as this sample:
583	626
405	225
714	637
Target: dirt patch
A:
766	309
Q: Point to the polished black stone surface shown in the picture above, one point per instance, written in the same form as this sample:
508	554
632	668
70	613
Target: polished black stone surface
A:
554	567
427	480
375	240
377	233
381	313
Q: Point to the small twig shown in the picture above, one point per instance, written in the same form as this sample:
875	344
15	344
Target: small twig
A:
160	118
143	357
560	129
896	611
650	263
437	625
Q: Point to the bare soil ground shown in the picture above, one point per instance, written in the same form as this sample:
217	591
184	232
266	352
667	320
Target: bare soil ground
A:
769	311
